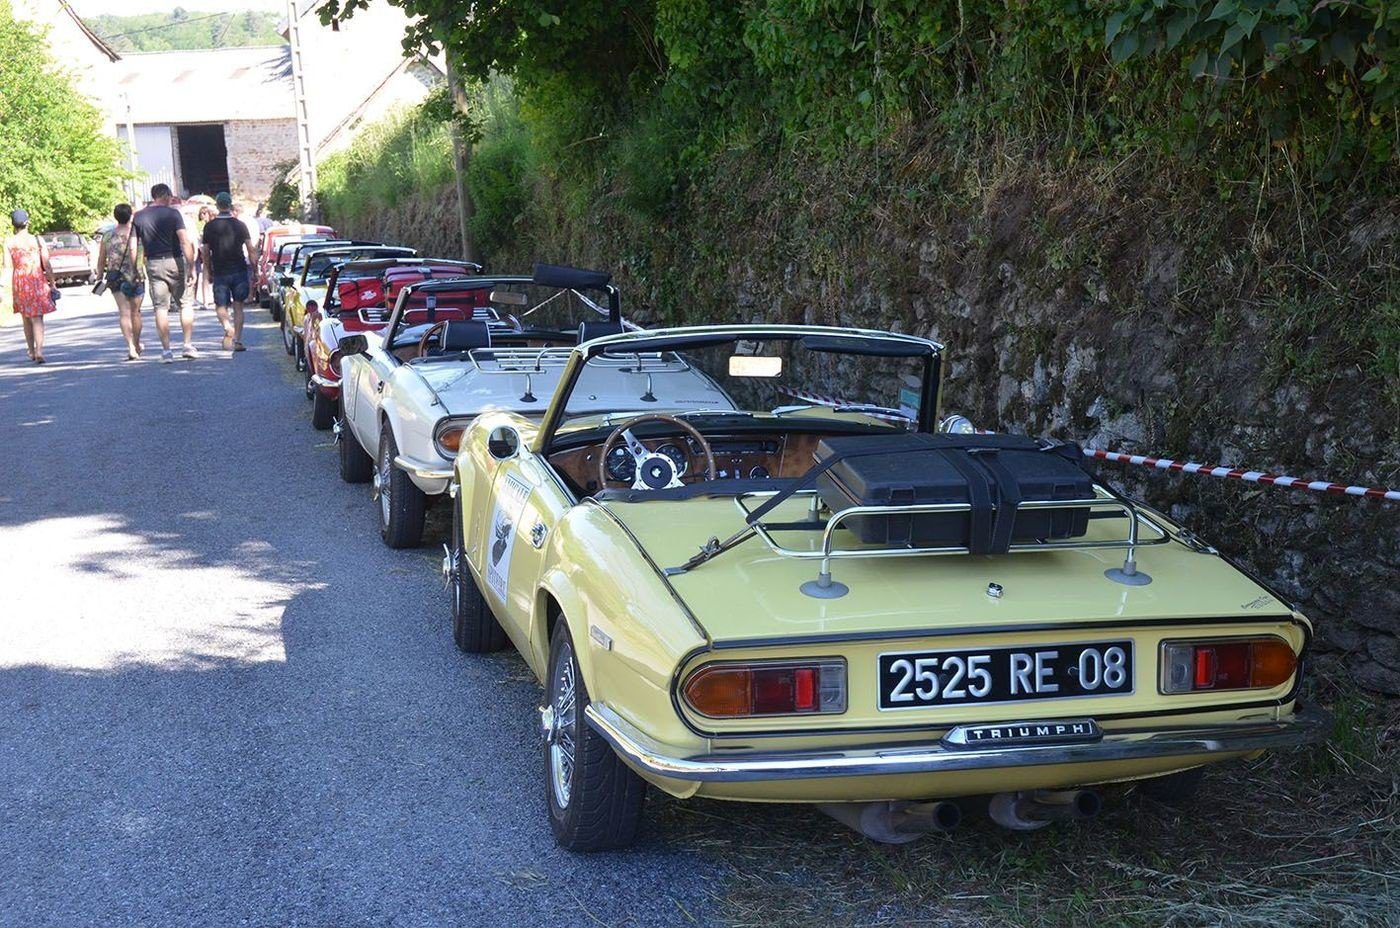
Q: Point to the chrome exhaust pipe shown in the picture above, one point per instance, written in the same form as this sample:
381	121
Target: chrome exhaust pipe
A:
895	822
1027	811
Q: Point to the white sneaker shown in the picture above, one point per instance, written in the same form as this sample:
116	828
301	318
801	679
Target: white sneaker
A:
190	352
167	356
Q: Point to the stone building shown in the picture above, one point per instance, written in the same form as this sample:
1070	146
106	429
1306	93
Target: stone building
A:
225	119
209	120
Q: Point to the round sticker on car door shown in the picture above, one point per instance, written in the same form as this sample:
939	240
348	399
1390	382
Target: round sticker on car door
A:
510	502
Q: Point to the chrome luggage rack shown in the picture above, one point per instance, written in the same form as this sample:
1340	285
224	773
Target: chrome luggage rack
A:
824	587
531	361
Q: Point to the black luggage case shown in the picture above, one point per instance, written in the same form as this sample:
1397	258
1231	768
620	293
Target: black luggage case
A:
994	473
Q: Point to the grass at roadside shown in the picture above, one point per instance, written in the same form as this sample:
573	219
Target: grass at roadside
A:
1303	838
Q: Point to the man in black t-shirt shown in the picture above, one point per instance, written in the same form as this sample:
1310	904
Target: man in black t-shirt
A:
169	266
226	242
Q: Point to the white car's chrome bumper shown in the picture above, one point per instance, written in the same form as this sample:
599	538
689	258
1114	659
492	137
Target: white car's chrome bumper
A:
1307	724
430	478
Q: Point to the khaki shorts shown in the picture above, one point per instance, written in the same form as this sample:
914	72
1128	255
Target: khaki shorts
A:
165	283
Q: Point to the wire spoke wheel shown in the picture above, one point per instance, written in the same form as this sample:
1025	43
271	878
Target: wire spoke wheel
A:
383	482
563	699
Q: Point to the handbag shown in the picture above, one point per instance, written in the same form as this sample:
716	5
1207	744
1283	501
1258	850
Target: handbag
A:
100	287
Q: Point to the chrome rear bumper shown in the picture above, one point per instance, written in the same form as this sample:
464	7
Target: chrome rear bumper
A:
430	478
1306	725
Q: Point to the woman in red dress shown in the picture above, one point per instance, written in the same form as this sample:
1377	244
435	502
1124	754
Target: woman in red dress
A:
27	259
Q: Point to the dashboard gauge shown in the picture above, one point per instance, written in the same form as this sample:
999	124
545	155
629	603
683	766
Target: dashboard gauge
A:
759	473
677	456
620	464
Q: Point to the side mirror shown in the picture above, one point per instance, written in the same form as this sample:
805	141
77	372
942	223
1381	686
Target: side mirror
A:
503	442
353	344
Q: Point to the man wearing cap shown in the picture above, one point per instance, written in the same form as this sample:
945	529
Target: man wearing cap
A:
226	242
169	267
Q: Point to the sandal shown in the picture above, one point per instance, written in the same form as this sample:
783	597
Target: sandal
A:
39	359
228	342
238	346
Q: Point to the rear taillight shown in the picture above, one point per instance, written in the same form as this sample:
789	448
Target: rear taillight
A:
742	690
1226	664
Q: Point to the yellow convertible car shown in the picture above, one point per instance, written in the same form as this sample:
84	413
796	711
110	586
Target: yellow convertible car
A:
792	597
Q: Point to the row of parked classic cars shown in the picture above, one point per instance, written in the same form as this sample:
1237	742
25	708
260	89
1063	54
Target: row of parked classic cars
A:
736	585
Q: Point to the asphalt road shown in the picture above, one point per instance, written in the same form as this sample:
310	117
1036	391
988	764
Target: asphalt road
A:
224	702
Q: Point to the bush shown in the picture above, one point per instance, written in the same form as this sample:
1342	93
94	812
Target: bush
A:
498	179
388	162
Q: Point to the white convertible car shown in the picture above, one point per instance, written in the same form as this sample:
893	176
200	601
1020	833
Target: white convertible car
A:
454	349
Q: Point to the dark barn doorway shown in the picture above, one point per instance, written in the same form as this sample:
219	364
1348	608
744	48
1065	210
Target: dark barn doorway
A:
203	159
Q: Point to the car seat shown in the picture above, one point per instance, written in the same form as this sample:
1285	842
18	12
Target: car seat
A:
462	335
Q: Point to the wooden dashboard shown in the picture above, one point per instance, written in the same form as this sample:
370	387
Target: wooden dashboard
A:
754	456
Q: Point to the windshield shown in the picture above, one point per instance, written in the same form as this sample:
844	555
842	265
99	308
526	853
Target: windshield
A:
788	376
286	249
64	240
319	264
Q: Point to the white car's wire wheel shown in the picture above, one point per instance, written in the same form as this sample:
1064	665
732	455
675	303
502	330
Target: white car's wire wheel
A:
356	466
288	339
401	504
595	800
474	627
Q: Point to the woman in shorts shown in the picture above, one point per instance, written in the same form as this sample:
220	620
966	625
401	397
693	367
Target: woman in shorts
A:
121	259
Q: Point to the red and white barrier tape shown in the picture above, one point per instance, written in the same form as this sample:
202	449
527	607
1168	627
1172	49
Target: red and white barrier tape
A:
1252	476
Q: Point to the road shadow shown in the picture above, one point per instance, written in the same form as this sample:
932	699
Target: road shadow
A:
224	701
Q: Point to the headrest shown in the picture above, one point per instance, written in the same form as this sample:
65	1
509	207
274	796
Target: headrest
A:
587	331
464	335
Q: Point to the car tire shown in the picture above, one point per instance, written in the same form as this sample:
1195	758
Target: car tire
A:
275	306
1174	788
474	627
322	410
299	352
356	465
401	504
289	343
595	800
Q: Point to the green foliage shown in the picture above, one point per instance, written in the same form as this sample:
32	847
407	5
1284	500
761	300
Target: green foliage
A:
55	160
181	30
387	162
500	169
284	201
1303	69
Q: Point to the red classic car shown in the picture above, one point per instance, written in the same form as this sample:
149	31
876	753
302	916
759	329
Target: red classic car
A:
359	295
70	258
268	243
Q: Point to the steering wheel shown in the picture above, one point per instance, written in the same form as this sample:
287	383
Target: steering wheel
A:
434	330
653	471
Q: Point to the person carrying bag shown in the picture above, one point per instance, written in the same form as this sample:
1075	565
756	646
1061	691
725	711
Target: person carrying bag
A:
119	256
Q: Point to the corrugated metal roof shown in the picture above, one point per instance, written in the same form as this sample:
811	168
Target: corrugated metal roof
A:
210	85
